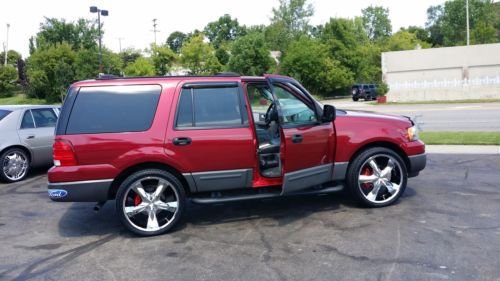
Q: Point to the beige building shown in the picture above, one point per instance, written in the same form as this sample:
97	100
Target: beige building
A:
452	73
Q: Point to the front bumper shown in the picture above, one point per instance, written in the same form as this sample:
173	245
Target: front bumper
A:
80	191
417	164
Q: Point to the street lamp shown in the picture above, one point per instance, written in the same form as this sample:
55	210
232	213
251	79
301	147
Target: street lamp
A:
104	13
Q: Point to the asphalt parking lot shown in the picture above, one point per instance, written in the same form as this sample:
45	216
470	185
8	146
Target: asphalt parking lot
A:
446	227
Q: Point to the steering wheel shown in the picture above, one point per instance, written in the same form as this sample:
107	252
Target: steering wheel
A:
271	110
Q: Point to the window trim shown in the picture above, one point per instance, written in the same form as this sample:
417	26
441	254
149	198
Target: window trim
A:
211	85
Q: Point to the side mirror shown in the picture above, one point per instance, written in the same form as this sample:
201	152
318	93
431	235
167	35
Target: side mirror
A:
329	113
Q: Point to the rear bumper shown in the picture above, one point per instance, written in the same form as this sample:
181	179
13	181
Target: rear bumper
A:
417	164
80	191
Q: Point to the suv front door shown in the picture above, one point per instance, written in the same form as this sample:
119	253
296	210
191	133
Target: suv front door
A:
309	143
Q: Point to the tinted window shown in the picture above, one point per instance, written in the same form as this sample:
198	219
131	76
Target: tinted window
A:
294	110
365	87
113	109
213	107
44	117
4	113
27	122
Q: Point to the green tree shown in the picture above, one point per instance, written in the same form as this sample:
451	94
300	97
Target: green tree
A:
50	71
309	61
12	57
8	77
290	20
225	29
250	56
175	41
140	67
447	23
404	40
129	55
376	22
163	58
349	44
421	33
199	56
86	63
82	34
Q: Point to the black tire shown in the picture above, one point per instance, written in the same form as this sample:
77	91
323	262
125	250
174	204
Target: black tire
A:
355	98
147	179
361	191
4	161
368	97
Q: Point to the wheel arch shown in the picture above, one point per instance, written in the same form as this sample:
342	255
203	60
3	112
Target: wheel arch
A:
143	166
389	145
23	148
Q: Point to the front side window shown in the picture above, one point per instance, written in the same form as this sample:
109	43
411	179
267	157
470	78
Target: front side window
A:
294	110
113	109
210	108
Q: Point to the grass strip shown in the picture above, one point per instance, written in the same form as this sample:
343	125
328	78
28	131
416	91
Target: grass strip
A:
461	138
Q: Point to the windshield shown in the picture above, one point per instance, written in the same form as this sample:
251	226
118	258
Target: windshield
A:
4	113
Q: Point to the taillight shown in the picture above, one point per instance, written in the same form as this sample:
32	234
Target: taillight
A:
63	153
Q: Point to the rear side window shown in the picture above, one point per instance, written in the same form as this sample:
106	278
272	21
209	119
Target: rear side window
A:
44	117
211	108
113	109
4	113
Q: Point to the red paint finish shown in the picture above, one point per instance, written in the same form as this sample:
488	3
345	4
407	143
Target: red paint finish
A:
357	130
105	156
316	147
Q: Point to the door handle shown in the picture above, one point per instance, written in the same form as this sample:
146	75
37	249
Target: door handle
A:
30	137
297	138
181	141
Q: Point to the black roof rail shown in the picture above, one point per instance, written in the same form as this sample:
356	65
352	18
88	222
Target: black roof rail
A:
104	76
228	74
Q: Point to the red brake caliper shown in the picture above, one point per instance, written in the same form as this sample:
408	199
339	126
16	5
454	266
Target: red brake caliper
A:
137	200
367	171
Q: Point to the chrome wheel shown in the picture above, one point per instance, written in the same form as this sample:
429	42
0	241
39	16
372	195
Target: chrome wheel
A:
15	165
380	178
150	204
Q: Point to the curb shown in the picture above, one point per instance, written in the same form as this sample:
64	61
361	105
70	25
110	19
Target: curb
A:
463	149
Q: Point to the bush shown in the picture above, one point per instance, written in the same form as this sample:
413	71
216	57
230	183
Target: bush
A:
382	89
8	77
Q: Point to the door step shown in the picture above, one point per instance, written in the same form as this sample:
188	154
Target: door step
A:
264	195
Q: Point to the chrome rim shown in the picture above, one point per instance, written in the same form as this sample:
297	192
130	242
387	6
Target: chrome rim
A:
151	204
380	178
15	166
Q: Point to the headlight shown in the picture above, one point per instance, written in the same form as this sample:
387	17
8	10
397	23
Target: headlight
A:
412	133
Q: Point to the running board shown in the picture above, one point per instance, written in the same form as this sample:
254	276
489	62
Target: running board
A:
236	198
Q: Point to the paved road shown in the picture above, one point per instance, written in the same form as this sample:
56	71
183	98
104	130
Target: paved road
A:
439	117
446	227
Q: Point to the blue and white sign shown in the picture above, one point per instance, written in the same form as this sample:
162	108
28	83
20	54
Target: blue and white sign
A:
57	193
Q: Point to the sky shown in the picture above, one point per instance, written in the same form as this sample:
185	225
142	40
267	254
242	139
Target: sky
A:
131	21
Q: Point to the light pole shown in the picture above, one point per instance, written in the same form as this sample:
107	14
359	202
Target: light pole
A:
467	16
104	13
6	46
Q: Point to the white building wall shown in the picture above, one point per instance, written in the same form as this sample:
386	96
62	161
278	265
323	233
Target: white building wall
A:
453	73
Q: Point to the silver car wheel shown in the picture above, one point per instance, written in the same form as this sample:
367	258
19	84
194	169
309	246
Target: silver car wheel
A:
15	165
380	178
150	204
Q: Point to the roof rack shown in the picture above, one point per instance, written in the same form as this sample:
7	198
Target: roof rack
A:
103	76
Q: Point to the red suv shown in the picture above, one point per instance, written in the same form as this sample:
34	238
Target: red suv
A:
152	143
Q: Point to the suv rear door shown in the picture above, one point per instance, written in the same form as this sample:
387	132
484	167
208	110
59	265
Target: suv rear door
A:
210	136
309	144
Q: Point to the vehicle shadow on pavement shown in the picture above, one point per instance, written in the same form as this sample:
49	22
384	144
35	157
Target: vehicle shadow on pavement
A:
81	220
